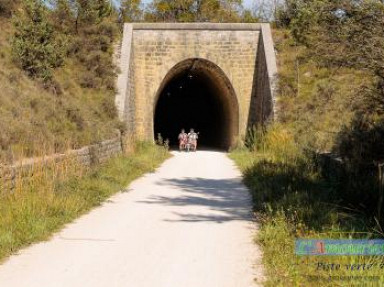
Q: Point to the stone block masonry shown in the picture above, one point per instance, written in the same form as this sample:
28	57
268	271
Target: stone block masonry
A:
149	52
86	156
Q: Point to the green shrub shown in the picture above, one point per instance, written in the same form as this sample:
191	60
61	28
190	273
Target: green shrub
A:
35	46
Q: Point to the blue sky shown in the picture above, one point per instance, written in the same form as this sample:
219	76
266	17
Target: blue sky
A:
248	3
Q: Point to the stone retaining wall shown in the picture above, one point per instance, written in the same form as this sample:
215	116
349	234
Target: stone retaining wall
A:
86	156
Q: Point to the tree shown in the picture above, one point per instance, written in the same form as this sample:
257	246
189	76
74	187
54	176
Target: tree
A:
63	15
131	11
171	11
88	28
207	10
249	17
194	11
35	46
96	29
230	10
91	12
343	33
348	34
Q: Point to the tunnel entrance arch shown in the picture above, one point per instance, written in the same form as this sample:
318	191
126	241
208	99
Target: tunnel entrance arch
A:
197	94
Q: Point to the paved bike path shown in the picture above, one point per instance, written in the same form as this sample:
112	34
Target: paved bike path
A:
189	224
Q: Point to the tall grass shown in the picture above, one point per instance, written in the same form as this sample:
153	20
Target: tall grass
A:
293	200
32	114
56	195
315	100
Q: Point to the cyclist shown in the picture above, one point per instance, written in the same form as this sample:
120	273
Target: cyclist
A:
183	139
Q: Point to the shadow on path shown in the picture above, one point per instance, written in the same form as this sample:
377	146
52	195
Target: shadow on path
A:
224	199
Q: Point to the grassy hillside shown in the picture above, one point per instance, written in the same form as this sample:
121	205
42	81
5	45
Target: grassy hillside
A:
315	102
294	195
37	120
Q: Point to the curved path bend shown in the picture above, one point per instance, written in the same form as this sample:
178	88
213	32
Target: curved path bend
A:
189	224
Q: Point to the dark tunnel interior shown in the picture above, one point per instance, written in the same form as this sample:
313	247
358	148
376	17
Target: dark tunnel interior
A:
192	99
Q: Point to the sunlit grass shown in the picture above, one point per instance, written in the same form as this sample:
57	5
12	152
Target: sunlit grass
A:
56	195
292	201
32	115
314	100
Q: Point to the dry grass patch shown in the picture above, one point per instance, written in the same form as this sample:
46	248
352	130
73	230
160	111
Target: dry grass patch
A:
58	194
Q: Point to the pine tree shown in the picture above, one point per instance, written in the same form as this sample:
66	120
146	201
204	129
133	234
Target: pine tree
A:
35	47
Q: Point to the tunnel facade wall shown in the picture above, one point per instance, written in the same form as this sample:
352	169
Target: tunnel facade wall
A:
150	51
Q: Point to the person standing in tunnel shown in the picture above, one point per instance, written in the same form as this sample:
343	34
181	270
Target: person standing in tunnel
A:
183	139
192	139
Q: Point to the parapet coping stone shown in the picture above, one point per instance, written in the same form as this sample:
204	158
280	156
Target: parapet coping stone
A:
198	26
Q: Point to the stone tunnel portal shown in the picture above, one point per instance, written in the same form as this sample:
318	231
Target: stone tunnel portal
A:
197	94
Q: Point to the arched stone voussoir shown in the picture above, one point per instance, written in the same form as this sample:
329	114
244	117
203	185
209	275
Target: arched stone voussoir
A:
237	62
